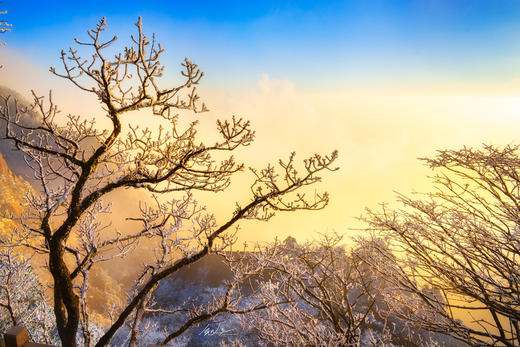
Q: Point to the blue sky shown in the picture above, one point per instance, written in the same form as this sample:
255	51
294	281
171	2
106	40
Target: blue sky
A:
313	44
384	82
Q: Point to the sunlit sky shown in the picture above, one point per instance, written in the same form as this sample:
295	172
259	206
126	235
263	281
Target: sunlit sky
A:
384	82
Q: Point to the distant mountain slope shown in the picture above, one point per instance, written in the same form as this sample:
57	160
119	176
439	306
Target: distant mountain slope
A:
12	190
13	157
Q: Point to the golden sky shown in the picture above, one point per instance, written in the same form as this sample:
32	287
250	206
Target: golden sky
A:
379	131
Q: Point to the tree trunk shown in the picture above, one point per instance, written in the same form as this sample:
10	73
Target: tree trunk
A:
66	302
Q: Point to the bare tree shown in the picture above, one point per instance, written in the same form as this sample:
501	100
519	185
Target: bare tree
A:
77	165
4	26
326	295
22	300
458	250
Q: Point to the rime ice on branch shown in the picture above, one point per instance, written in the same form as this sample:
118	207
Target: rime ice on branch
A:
459	248
4	26
77	164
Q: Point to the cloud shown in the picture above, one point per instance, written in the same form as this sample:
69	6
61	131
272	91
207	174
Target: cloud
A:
267	85
379	132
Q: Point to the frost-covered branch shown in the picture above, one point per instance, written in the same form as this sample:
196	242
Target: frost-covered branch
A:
77	165
459	248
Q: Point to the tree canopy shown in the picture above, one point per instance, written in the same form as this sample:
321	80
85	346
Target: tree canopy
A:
77	164
458	247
